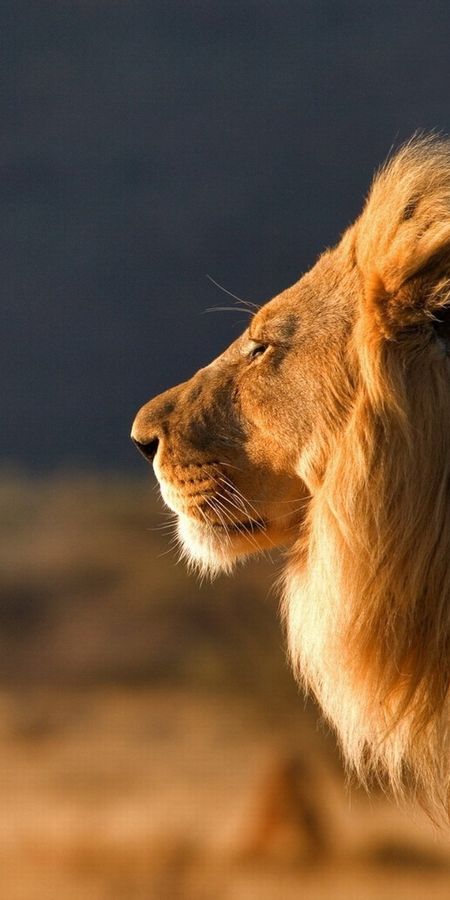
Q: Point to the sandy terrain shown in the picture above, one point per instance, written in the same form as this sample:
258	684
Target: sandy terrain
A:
153	745
143	794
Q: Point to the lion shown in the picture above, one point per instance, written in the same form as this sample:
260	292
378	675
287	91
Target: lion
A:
325	428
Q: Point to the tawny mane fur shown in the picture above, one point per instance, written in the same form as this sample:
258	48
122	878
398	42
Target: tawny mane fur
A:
338	397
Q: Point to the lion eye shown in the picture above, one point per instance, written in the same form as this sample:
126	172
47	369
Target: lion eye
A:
255	348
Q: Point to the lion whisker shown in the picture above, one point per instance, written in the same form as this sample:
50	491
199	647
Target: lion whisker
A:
246	303
220	515
240	527
233	309
257	524
246	504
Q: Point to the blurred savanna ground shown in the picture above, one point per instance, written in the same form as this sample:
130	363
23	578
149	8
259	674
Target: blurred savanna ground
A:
153	745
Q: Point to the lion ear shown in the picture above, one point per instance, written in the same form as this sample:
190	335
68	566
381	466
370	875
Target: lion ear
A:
403	236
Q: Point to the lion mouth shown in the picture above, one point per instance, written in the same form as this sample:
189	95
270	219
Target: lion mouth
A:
246	526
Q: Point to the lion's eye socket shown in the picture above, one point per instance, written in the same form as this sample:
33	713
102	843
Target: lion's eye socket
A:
255	348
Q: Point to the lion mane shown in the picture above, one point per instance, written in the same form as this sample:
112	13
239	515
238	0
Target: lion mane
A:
338	396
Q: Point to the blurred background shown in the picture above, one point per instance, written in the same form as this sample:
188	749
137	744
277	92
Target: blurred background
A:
152	741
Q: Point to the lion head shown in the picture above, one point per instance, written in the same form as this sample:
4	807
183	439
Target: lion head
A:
326	428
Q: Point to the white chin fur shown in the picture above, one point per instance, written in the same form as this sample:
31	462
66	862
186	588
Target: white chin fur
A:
205	550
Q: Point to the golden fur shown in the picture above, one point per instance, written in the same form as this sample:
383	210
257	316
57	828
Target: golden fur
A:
326	427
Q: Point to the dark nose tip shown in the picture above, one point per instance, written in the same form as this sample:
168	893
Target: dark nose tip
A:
149	450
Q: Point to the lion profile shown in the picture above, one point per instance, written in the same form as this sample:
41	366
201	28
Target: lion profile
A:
326	428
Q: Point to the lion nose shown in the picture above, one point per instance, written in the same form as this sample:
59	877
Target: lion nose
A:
149	449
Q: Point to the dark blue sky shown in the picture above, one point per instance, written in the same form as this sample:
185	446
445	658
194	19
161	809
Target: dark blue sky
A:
145	145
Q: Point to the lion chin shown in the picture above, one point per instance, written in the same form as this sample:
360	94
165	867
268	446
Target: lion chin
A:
216	549
209	550
325	428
